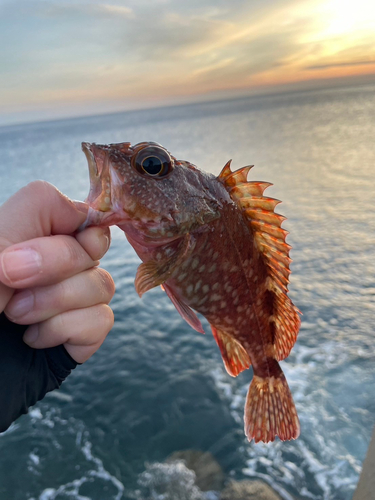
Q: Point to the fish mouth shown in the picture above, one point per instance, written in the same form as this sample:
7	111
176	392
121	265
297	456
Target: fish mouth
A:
100	196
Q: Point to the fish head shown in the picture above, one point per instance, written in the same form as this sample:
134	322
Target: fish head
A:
149	194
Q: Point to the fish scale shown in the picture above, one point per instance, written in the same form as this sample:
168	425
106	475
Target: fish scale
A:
216	247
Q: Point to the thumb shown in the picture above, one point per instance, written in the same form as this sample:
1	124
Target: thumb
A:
39	209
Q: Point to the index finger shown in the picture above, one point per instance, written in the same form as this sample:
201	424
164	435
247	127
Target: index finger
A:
43	261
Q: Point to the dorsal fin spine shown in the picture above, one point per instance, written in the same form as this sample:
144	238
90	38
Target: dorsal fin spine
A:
226	170
265	215
264	227
277	243
261	202
238	177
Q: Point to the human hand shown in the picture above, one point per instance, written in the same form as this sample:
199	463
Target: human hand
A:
49	277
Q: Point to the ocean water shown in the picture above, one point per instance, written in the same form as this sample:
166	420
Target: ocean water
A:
157	386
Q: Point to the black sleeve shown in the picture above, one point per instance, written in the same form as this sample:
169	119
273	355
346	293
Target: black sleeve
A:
26	374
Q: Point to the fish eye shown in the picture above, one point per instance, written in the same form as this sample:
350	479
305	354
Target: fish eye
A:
152	165
153	161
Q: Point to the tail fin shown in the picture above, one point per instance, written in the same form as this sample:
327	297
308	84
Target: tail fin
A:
270	410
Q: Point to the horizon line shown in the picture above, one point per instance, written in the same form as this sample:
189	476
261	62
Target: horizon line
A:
269	91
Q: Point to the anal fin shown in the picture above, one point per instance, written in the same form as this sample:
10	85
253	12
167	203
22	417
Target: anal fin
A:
185	311
234	355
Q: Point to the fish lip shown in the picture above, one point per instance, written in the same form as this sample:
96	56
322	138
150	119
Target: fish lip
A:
98	198
93	168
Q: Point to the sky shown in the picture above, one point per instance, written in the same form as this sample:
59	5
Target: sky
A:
62	58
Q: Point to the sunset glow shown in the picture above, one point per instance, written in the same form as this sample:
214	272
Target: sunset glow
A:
62	58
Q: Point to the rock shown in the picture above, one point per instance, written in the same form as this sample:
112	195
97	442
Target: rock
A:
172	481
248	490
209	474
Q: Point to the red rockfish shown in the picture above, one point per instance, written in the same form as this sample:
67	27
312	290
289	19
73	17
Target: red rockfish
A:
216	246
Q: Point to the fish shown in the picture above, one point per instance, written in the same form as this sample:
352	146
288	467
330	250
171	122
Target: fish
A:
216	247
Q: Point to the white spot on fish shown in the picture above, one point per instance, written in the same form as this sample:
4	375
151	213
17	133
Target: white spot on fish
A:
185	264
215	255
202	300
181	277
215	286
202	268
212	268
194	263
205	288
189	289
197	286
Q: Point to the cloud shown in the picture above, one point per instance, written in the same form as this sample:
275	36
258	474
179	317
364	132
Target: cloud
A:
97	50
118	10
341	64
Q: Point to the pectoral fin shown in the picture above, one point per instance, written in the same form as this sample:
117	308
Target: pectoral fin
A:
151	274
234	355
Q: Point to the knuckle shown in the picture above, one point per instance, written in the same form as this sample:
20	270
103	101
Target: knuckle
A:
106	283
107	316
74	253
95	241
40	189
53	329
61	294
104	319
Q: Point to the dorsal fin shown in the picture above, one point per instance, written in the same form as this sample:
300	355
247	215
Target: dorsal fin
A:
265	225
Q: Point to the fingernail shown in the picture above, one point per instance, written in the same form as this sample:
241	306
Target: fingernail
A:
21	264
31	334
21	304
107	241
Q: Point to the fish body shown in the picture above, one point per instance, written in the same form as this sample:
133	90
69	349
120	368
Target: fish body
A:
215	246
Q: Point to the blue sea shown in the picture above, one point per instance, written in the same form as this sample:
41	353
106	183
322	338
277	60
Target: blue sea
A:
156	386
